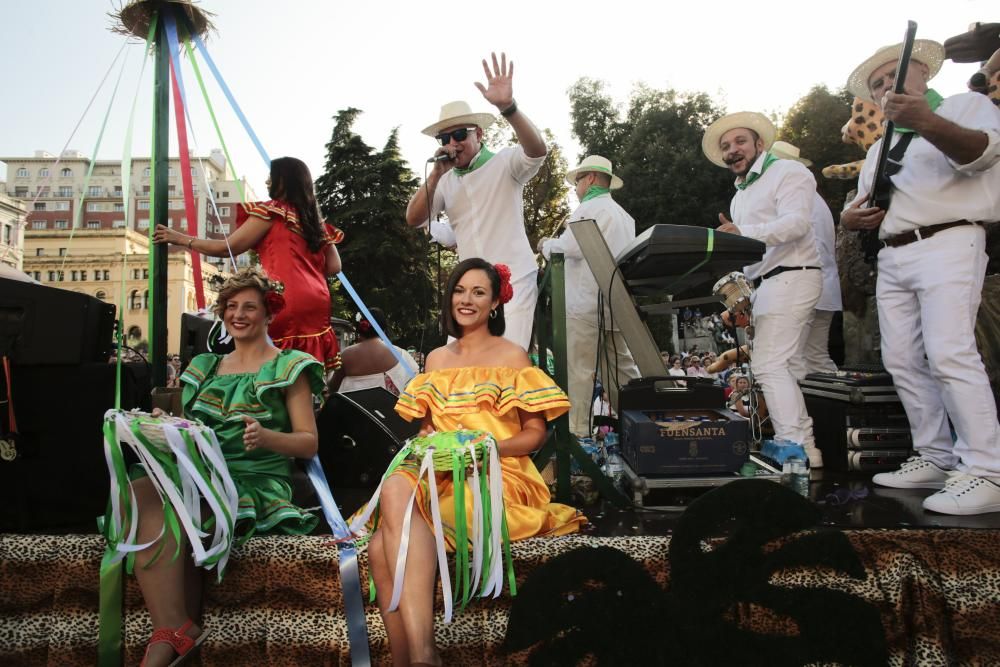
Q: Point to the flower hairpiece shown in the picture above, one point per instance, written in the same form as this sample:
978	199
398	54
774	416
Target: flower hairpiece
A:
363	324
274	295
506	290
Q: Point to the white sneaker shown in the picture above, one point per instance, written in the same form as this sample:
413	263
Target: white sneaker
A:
965	494
915	473
815	456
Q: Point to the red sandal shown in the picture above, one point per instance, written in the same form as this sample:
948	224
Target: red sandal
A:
183	645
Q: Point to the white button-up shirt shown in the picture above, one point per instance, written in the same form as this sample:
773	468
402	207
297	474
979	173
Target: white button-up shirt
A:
618	229
822	219
486	210
776	209
931	188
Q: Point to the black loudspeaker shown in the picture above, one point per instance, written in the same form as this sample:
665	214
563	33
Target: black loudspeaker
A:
359	434
200	335
59	479
42	325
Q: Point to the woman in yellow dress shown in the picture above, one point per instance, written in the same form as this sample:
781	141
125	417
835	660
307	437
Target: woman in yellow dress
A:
480	381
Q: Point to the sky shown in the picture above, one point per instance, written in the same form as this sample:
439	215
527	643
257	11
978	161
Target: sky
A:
292	65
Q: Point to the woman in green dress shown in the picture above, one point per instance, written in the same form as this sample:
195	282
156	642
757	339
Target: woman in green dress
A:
258	400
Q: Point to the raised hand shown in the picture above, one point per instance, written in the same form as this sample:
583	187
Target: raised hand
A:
500	92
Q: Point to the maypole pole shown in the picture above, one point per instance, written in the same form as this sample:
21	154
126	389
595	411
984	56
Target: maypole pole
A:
134	20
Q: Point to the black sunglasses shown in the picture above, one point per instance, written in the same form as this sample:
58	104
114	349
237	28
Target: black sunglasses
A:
458	135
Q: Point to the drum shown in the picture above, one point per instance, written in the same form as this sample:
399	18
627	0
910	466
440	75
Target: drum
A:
736	292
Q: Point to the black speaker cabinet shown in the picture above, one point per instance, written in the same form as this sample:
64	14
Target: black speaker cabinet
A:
359	434
42	325
59	479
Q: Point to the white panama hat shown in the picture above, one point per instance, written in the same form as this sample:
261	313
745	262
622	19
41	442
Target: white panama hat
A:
926	51
594	163
458	113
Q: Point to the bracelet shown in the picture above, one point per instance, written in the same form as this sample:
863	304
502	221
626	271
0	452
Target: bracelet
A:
190	241
511	110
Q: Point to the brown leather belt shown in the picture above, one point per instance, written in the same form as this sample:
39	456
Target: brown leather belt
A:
920	233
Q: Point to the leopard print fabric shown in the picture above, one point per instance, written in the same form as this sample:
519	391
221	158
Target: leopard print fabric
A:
279	604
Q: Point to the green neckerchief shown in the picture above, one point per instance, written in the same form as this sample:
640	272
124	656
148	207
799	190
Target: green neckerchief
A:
482	157
934	100
769	159
595	191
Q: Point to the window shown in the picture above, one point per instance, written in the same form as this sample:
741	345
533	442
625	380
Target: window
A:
94	191
38	276
43	172
170	172
176	204
60	276
62	224
93	206
171	188
145	274
224	227
39	206
100	294
83	275
52	276
118	191
225	193
144	223
144	206
8	232
22	173
223	211
21	193
93	224
62	252
38	224
44	191
66	172
117	224
65	191
145	172
119	207
135	274
107	274
145	300
133	300
60	206
73	275
39	252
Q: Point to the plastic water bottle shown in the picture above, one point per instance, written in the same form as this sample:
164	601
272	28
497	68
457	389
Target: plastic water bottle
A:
614	467
795	475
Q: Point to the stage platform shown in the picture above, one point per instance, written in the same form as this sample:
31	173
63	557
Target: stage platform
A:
748	574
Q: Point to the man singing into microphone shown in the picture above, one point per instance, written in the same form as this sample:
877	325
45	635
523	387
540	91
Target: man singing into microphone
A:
482	192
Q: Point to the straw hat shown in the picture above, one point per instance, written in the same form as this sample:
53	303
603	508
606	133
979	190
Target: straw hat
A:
458	113
751	120
926	51
786	151
594	163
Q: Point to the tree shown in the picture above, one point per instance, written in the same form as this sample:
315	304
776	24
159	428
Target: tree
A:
813	125
597	123
364	192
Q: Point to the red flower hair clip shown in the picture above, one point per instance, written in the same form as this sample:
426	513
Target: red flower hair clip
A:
506	289
275	302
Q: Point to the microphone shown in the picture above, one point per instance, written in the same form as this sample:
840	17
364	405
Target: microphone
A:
439	158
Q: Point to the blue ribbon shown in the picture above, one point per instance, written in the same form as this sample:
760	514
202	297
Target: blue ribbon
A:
229	96
368	316
350	579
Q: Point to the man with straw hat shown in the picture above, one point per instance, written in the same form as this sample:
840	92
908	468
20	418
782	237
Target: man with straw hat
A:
814	355
483	193
773	204
930	275
593	180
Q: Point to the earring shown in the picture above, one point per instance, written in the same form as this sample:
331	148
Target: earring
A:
493	314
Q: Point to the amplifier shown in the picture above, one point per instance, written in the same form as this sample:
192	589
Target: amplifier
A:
868	437
876	459
855	410
684	442
664	393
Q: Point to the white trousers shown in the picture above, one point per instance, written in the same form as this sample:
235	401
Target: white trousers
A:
581	352
519	312
782	308
814	353
928	297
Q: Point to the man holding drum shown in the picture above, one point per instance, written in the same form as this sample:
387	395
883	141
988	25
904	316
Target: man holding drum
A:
772	204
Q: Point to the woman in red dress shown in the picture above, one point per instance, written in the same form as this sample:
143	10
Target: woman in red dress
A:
295	247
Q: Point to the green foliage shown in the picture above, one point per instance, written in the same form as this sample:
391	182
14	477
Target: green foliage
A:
364	192
813	125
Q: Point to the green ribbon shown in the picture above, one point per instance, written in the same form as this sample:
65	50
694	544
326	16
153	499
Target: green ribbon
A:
934	100
769	159
709	247
595	191
482	157
460	597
